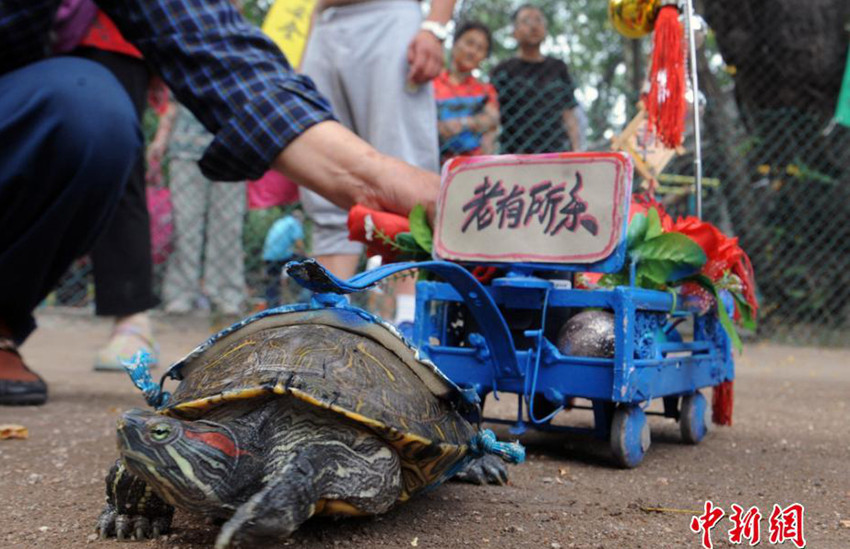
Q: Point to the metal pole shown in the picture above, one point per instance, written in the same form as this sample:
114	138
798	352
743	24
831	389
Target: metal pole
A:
692	51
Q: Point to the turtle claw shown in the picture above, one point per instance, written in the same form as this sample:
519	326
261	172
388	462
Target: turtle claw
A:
130	527
141	528
157	529
132	511
105	526
122	528
487	469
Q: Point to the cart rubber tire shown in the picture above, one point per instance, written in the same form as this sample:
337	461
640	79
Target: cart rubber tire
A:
693	420
630	437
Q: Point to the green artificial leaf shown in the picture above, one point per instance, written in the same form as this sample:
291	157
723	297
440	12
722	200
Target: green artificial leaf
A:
748	321
612	280
636	230
722	315
406	243
668	257
654	273
653	228
420	229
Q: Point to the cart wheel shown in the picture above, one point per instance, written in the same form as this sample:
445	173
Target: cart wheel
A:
693	419
629	436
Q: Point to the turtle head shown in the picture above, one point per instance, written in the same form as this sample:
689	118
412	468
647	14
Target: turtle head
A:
188	463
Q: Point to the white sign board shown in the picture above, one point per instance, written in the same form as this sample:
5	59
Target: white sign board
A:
550	208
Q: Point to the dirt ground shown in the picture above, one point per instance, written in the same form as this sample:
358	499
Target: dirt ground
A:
790	443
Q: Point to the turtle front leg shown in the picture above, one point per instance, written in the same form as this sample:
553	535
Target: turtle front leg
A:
132	510
287	501
350	467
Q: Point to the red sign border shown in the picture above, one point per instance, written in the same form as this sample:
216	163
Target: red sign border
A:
461	164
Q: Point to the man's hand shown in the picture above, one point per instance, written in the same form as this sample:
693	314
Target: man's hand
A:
425	56
329	159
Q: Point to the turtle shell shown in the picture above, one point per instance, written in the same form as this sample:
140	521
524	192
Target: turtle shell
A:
341	359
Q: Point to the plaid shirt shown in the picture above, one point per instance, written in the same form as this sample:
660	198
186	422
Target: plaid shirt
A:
233	78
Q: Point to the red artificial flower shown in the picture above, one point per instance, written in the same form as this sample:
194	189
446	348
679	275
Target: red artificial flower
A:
723	253
374	228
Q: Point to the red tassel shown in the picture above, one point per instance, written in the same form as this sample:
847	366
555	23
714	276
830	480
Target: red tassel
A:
665	103
722	398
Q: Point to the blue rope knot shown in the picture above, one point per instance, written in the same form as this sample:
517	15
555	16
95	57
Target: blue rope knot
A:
485	443
140	372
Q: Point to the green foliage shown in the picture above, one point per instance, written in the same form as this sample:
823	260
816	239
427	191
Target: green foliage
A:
661	258
636	230
420	229
667	258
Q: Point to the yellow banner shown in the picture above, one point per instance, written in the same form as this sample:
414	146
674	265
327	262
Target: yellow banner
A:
288	24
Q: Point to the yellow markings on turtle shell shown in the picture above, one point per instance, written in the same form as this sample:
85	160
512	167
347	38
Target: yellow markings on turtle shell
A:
348	364
206	403
229	352
363	350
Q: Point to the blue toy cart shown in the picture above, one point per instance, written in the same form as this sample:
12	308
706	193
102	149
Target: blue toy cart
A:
500	337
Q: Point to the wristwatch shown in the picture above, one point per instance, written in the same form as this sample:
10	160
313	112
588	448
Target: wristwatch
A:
440	31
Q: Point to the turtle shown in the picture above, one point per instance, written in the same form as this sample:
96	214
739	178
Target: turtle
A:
294	412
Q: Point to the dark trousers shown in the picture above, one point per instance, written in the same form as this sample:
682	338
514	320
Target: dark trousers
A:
121	258
69	137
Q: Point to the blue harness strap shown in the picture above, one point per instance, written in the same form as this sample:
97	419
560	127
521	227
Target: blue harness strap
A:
311	275
485	443
140	372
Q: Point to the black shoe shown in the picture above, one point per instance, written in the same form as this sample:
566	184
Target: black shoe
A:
22	393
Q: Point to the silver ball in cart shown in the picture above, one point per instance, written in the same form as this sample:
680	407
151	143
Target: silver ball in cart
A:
589	333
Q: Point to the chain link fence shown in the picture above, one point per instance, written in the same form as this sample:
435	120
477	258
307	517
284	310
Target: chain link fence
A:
778	171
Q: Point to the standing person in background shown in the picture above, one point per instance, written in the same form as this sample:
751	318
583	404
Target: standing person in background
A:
374	60
208	218
467	109
536	93
284	242
121	258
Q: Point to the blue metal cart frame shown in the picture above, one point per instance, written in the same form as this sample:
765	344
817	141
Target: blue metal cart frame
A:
651	360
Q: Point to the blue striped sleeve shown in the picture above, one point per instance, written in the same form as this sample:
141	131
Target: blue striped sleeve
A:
230	75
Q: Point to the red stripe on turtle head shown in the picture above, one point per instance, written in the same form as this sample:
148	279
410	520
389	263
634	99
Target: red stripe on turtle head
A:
218	441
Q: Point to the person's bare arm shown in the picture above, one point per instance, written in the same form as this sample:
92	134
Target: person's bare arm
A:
488	142
159	143
486	120
332	161
572	128
425	52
